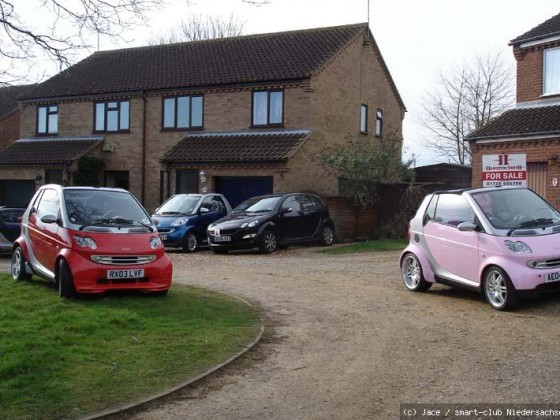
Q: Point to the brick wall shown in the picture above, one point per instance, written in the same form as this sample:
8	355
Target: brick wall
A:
530	72
9	129
353	78
537	151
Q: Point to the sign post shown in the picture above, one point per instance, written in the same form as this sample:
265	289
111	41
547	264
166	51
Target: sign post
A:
504	170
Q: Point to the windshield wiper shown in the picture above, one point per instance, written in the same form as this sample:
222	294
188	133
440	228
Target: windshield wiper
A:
116	221
172	213
533	223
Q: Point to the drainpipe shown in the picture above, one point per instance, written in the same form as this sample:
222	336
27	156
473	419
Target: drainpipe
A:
143	195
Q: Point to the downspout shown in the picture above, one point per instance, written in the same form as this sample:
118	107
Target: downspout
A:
143	179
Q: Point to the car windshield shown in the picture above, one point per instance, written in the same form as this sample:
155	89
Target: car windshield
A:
85	207
257	205
179	205
516	209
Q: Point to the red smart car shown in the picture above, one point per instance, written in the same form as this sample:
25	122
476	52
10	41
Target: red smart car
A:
90	240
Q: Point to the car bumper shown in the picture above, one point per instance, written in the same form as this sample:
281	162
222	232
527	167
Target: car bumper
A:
237	242
91	277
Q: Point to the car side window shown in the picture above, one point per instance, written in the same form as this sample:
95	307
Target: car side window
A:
217	204
206	203
291	202
431	210
308	204
49	204
452	209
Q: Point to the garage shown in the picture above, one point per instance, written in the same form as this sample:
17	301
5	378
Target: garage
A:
16	193
238	189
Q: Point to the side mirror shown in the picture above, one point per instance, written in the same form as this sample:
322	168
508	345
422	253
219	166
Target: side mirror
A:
49	219
285	211
467	227
204	210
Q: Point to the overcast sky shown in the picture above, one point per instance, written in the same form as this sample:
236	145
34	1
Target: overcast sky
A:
418	38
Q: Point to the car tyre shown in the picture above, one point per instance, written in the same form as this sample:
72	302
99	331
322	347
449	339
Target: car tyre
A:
18	265
190	243
65	281
498	289
411	272
269	242
327	235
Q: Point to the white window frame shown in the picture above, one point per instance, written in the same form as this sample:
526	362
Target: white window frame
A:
551	85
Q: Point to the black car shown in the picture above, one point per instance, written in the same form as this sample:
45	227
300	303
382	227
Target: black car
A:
268	221
10	227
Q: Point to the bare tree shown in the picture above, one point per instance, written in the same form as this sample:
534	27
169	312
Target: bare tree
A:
198	27
465	100
63	29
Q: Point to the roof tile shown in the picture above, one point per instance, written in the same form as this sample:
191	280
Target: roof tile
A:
548	28
274	146
522	122
47	150
245	59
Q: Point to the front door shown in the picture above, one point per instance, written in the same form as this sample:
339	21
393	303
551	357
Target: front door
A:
454	251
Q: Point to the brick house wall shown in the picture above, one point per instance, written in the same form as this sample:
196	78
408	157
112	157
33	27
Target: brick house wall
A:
530	72
327	104
353	78
9	129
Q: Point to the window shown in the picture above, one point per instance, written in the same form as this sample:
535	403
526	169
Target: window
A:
112	116
49	204
213	204
186	182
291	203
182	112
47	119
117	179
379	123
453	210
551	76
363	119
53	176
268	108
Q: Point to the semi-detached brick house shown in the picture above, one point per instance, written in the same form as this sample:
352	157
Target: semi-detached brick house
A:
242	116
533	126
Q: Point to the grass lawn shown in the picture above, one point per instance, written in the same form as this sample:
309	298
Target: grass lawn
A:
367	246
64	358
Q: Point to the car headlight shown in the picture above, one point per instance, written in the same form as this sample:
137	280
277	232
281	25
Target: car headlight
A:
85	242
250	224
155	242
180	222
518	247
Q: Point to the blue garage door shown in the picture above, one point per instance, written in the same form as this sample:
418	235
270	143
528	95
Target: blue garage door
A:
238	189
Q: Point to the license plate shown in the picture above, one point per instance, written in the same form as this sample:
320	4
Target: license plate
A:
125	274
222	238
163	237
552	277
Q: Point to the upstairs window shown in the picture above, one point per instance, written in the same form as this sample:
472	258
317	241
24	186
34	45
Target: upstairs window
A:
182	112
47	119
112	116
379	123
268	107
551	76
363	119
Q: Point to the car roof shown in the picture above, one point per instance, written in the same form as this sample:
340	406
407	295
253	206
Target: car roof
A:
476	190
75	187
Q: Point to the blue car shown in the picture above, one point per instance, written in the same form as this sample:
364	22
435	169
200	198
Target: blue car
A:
182	220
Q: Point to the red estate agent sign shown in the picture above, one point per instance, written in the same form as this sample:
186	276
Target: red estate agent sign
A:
504	170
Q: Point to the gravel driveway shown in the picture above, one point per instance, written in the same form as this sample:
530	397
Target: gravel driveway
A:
350	342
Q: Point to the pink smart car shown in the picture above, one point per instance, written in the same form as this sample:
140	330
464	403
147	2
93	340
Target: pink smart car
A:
498	241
